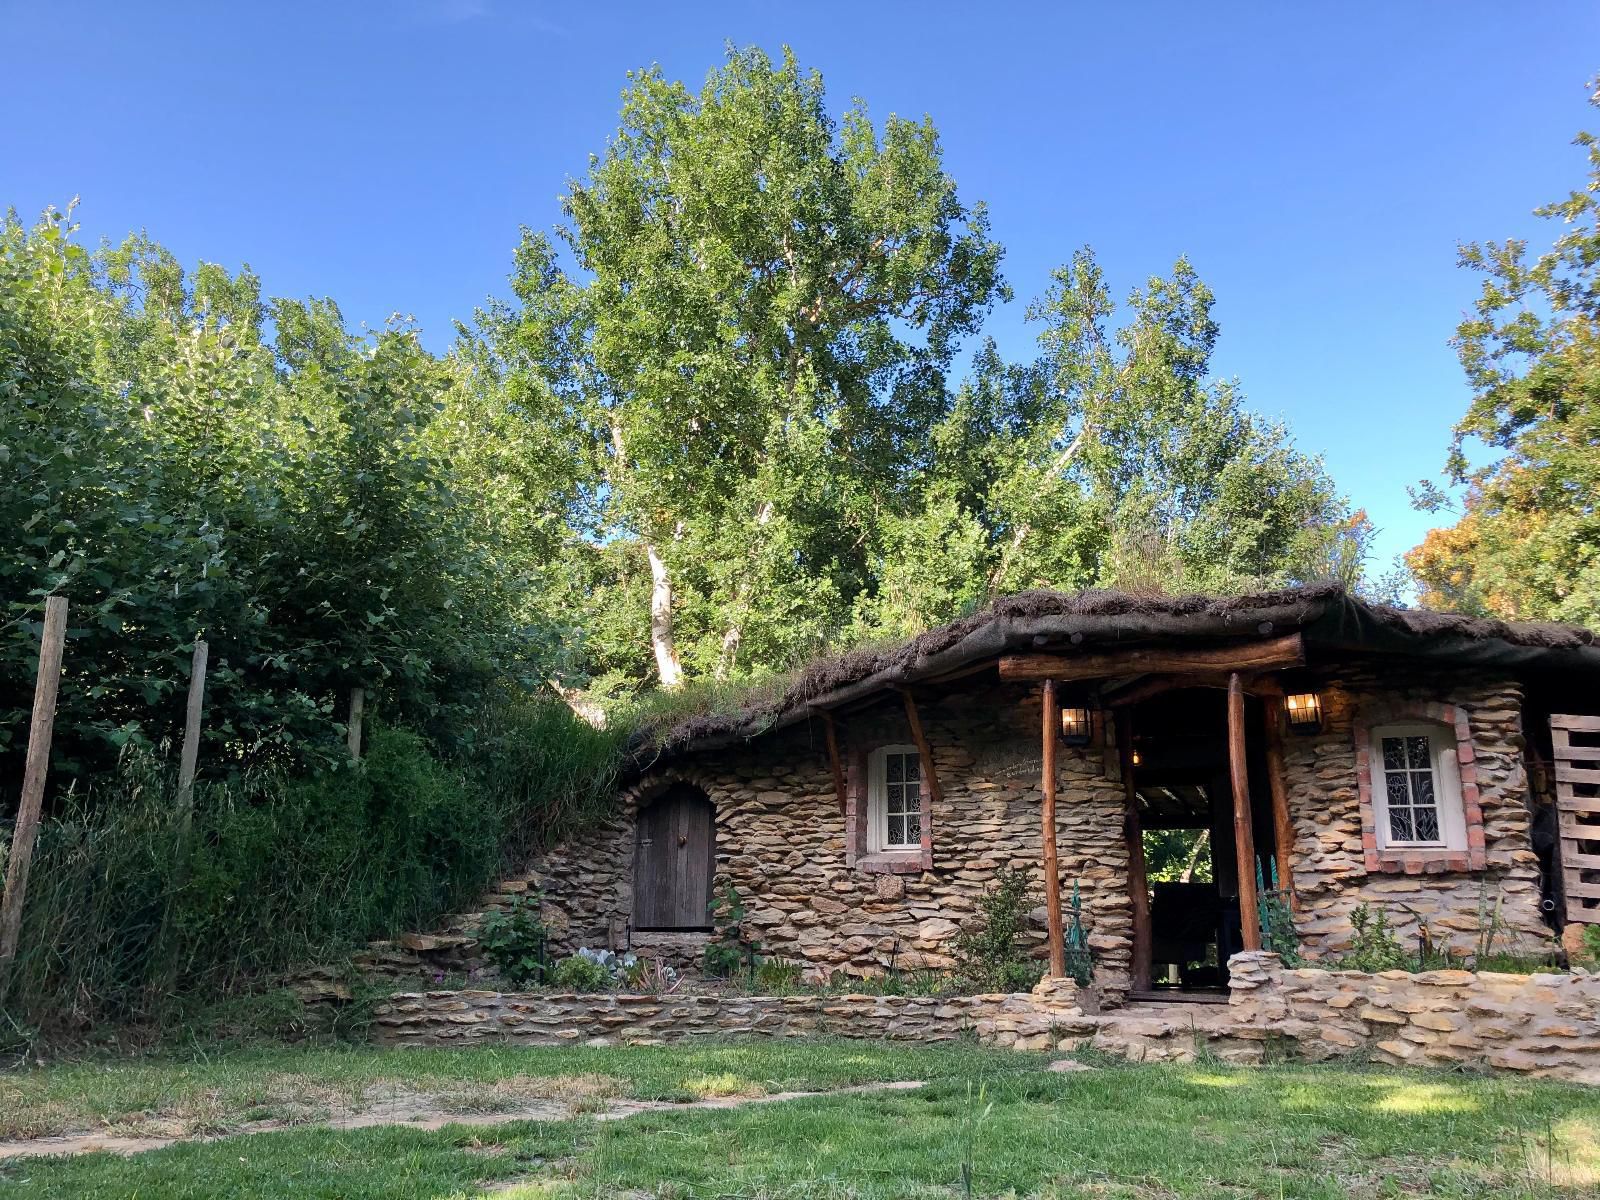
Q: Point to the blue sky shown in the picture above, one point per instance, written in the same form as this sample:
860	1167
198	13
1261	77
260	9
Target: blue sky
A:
1317	163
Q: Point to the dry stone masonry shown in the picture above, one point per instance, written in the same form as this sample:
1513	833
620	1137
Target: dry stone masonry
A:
1541	1025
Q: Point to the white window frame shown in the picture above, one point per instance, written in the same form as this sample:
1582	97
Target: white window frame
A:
1446	786
878	802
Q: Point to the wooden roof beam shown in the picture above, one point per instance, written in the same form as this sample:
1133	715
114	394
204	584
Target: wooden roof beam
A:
1269	654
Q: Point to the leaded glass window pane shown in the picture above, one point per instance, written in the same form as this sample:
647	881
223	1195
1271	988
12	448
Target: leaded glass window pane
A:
902	800
1409	788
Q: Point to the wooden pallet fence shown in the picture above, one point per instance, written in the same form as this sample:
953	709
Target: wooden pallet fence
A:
1576	742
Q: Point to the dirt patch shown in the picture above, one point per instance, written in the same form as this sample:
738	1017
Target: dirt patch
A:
430	1111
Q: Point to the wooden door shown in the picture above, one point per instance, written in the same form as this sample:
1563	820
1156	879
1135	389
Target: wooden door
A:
674	860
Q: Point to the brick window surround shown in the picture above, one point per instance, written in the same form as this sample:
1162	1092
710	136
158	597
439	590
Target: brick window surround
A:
1422	860
890	862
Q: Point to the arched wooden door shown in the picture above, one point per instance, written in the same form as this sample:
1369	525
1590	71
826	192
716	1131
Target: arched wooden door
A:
675	851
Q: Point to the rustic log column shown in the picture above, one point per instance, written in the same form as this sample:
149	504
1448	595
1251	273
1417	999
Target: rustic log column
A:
833	760
1052	868
1244	840
1133	836
1282	826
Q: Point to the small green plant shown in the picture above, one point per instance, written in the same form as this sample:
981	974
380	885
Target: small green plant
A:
778	976
1591	946
1278	933
729	952
1375	946
514	941
972	1118
580	973
989	954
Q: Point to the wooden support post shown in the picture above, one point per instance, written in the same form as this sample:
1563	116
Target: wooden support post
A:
37	767
839	790
924	751
1133	837
1282	826
1244	839
191	734
358	703
1052	867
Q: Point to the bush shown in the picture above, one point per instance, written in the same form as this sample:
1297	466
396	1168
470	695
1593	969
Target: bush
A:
582	973
989	954
123	916
1375	946
514	942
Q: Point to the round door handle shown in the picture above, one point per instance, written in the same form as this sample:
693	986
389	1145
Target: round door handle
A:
683	839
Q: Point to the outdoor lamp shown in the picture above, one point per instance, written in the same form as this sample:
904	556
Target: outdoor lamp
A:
1305	712
1077	725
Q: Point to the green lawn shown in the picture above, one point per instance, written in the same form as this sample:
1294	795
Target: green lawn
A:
1118	1131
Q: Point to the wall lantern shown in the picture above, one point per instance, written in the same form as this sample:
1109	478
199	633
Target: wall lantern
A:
1304	711
1077	724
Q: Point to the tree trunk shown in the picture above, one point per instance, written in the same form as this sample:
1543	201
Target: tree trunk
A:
667	665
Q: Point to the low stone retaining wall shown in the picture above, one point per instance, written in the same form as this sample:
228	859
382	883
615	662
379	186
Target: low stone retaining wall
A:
1546	1025
1037	1021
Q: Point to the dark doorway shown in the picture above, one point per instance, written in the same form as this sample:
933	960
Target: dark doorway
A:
675	853
1184	806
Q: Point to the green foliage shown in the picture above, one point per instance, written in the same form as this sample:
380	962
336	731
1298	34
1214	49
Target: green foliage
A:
1276	918
778	976
1177	855
1527	544
1591	946
1375	946
300	504
578	973
124	917
990	954
730	952
514	941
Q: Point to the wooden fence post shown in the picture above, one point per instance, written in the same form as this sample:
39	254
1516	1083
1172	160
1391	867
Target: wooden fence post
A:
40	731
358	702
191	734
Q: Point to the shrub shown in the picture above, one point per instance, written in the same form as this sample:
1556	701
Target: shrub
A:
124	914
989	954
581	973
729	952
1375	946
514	941
778	975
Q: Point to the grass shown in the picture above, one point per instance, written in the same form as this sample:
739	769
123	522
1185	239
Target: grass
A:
1135	1132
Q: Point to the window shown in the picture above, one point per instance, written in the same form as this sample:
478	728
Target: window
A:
1416	788
894	800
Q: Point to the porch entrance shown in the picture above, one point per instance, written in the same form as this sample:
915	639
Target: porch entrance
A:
1181	812
674	861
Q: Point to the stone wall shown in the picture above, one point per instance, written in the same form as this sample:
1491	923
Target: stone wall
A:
1333	867
1545	1025
1034	1021
1538	1024
781	841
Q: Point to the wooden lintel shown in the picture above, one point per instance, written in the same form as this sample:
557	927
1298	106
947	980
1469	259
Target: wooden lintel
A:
1047	816
833	760
1269	654
1264	686
1244	838
924	751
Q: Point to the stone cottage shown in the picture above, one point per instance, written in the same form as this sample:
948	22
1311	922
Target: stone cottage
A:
1439	767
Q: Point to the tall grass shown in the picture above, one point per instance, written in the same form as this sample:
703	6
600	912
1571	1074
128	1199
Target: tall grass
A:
127	916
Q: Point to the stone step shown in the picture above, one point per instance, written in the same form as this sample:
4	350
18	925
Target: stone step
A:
425	942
